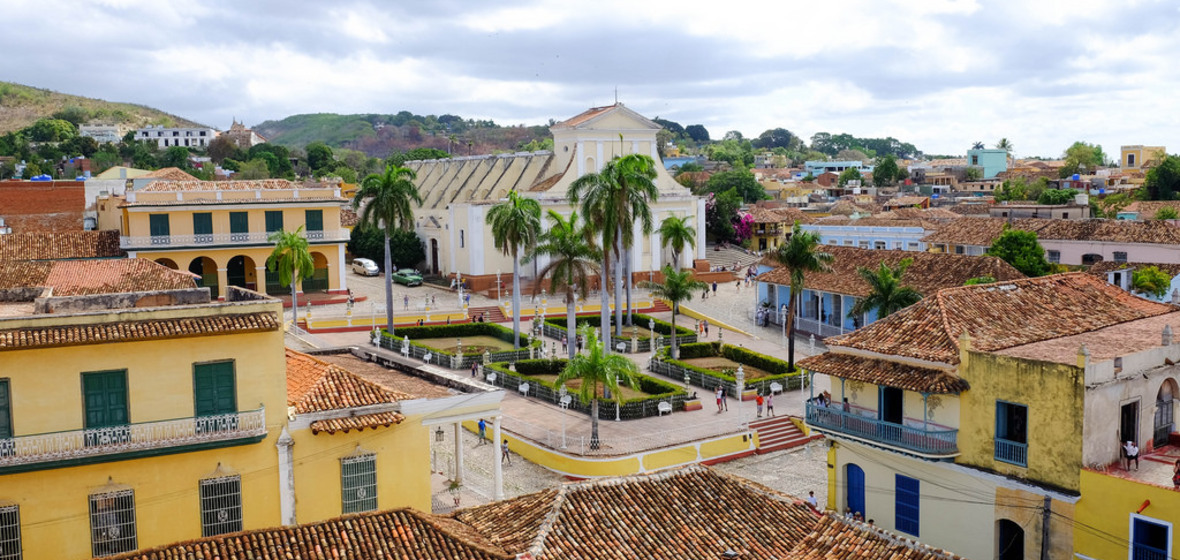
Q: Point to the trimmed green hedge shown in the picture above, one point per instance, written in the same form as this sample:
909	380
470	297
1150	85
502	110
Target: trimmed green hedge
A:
664	328
527	370
779	369
454	331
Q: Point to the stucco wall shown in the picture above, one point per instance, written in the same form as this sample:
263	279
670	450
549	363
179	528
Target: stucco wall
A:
1104	513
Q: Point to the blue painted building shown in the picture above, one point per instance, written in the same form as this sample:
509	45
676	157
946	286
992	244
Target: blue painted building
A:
817	168
992	161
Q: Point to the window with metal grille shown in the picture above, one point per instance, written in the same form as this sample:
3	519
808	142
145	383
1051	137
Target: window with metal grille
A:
1120	256
112	522
358	483
10	548
906	507
221	505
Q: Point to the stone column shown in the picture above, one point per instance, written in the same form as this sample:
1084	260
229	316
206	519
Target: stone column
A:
458	452
498	464
260	279
222	284
286	478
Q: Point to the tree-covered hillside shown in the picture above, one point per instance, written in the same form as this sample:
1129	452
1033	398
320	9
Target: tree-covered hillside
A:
21	106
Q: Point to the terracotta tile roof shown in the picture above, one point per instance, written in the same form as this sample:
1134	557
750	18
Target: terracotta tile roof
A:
196	185
134	331
836	538
885	372
971	209
63	245
847	208
78	278
585	116
983	231
906	201
907	213
1100	268
314	385
692	512
170	174
928	273
214	202
393	535
1148	208
765	215
333	425
42	206
349	217
999	316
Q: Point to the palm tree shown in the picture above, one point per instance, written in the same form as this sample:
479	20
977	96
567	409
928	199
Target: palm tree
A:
612	200
516	225
887	295
677	286
389	195
573	259
595	367
977	146
291	257
1004	144
800	254
677	234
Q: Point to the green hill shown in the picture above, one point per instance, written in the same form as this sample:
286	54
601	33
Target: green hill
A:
21	106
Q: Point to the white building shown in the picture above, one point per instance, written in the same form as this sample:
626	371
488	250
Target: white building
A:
197	137
103	133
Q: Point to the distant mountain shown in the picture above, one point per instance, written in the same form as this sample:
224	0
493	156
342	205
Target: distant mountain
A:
379	135
21	106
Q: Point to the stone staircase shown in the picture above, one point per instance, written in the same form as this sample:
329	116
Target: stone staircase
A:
494	314
730	256
778	433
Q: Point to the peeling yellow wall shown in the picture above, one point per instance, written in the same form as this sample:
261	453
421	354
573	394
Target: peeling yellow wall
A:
1104	513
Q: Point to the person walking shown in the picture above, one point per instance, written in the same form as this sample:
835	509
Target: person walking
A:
724	401
720	396
714	287
706	329
483	432
504	456
770	404
474	369
406	302
758	401
564	343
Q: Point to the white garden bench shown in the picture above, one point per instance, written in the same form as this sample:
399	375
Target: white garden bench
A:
663	407
776	387
524	389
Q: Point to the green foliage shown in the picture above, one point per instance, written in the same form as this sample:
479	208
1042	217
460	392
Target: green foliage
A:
850	174
406	249
278	158
678	234
1151	280
1082	157
458	330
51	130
801	254
885	171
74	114
832	144
887	294
739	180
1057	196
1163	180
1020	249
663	328
779	370
979	280
250	170
175	156
719	213
690	167
776	138
531	370
698	133
1166	213
1110	205
291	258
416	154
319	156
973	174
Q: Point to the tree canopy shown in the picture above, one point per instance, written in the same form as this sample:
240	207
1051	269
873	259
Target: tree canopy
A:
1081	157
1021	249
1151	280
1163	180
1057	196
885	172
740	180
850	174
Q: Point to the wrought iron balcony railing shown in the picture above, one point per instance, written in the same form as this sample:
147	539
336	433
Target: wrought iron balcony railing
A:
251	238
130	438
929	442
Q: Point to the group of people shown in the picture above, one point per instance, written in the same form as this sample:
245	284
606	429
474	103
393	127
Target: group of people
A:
703	329
483	438
762	401
1131	455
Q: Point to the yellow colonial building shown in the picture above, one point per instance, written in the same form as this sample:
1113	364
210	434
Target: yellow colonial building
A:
987	419
220	230
136	411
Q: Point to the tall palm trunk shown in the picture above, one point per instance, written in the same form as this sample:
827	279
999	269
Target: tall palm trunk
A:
515	299
630	280
294	303
571	323
603	277
594	419
388	286
676	260
619	283
675	347
791	330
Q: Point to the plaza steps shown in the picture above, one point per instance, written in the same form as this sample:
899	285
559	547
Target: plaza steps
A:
778	433
494	314
729	257
659	307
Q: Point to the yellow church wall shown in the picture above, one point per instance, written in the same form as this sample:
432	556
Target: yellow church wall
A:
1105	510
1053	394
403	467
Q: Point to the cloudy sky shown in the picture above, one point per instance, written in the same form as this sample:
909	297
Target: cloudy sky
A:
940	74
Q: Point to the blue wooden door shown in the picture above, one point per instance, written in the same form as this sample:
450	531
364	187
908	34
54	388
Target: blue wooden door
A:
856	488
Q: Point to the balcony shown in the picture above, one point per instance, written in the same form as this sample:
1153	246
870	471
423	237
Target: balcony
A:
1012	452
116	442
935	443
219	239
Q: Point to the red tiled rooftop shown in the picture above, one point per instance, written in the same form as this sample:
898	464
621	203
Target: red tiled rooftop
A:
195	185
133	331
170	174
885	372
60	245
88	277
585	116
314	385
837	538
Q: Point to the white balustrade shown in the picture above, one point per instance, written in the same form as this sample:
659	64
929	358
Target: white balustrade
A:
251	238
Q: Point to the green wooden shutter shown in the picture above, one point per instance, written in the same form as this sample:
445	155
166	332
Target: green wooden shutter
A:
274	221
158	224
239	222
213	389
5	410
106	398
202	223
314	219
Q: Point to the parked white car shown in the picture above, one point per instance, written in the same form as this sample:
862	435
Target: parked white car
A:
365	267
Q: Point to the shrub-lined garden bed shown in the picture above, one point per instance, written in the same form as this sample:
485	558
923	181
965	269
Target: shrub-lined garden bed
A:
541	375
760	370
439	341
554	327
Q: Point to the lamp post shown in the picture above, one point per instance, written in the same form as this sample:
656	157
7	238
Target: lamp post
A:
459	284
497	286
782	316
740	376
565	404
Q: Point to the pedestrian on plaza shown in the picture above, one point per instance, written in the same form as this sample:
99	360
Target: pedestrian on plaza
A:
419	322
720	395
351	300
714	287
564	343
739	286
406	302
1132	451
724	402
759	401
474	369
770	404
504	453
483	432
811	501
705	294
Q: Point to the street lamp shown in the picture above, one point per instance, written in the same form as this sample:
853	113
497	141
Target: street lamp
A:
497	286
740	376
565	404
782	316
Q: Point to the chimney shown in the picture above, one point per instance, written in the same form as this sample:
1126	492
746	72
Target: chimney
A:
1176	297
1167	335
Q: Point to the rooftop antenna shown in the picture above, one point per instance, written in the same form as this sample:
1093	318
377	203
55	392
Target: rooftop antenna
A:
616	95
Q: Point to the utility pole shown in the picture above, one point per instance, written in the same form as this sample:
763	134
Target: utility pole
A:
1046	510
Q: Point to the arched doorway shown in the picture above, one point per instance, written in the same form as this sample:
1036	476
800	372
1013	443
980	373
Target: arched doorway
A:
319	276
1010	540
856	488
240	272
168	263
1164	412
434	256
207	270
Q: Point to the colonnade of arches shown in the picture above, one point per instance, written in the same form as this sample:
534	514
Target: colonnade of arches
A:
244	271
